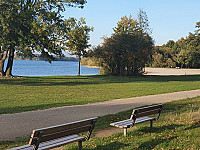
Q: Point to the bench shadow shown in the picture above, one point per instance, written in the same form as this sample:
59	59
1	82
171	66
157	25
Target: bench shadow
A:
151	144
159	129
194	126
110	146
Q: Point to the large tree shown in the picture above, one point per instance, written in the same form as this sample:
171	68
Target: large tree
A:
27	26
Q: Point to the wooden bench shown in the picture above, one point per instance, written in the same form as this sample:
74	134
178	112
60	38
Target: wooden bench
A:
56	136
140	115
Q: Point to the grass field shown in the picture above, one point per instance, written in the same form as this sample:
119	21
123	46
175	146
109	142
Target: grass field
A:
32	93
177	128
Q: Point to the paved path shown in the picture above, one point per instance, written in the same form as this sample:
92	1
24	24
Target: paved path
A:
22	124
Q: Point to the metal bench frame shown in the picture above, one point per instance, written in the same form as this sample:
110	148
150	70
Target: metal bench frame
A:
140	115
56	136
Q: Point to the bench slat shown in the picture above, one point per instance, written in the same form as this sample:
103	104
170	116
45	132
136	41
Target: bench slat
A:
60	142
122	124
149	108
127	123
143	119
65	133
53	143
24	147
148	113
62	127
62	130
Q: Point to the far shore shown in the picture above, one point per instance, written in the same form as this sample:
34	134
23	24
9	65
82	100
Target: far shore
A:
87	66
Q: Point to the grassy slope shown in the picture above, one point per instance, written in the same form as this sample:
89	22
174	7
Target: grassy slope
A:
32	93
177	128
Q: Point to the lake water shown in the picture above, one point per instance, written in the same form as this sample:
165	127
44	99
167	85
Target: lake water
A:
55	68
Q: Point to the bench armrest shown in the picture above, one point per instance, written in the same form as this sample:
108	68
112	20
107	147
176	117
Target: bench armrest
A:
90	131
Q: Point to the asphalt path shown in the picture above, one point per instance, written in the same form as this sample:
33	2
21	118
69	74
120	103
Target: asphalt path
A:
22	124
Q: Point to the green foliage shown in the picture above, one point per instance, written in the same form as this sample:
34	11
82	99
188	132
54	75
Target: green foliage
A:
183	53
28	26
127	51
78	37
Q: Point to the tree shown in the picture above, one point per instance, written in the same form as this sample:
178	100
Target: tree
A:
27	26
127	50
78	38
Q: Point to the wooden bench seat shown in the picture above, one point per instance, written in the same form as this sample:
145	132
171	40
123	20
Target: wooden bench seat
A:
140	115
56	136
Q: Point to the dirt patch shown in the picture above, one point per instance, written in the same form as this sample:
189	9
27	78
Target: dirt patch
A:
110	131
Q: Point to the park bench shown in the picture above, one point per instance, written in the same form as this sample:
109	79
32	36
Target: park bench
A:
56	136
140	115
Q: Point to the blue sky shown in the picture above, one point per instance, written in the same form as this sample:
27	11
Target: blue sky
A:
169	19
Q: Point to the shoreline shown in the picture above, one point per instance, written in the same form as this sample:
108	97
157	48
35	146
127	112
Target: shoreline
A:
87	66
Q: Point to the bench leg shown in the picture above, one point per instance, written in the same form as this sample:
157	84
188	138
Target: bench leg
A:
151	124
125	131
80	145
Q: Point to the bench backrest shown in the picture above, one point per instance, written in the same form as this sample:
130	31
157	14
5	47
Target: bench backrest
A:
146	111
53	132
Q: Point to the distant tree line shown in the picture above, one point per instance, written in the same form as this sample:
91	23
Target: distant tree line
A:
185	53
38	58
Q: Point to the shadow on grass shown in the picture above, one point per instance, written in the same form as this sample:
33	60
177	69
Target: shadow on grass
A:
13	143
96	79
159	129
9	110
194	126
179	106
110	146
151	144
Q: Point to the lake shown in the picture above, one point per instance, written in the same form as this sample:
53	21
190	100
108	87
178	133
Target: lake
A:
44	68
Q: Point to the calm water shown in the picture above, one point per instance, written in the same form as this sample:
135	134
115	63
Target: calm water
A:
43	68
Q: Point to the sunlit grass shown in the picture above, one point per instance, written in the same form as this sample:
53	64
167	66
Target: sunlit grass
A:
177	128
33	93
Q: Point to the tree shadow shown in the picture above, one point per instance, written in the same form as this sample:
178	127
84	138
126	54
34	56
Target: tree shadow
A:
96	79
194	126
9	110
159	129
151	144
114	145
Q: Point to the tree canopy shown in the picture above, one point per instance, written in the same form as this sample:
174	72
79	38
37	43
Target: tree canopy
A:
127	50
27	26
78	37
184	53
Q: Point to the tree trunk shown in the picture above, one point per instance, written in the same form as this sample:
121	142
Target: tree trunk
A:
2	60
10	62
2	73
79	65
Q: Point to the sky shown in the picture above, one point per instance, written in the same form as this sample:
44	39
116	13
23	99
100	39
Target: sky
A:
169	19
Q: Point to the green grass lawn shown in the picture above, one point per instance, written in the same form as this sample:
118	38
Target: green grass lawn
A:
177	128
32	93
